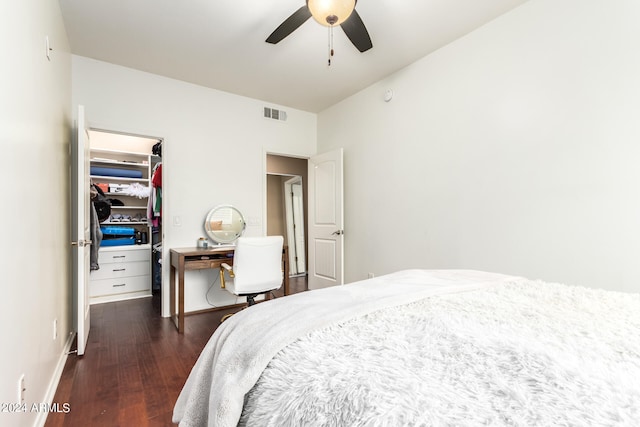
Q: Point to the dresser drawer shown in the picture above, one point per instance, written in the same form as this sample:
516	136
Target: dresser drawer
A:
119	286
118	256
121	269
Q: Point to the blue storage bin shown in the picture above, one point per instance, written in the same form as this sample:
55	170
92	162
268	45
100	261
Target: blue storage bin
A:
117	230
120	241
117	172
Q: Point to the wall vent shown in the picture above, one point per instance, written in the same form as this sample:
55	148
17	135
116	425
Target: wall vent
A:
272	113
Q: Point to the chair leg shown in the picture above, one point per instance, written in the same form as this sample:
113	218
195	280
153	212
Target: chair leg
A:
226	316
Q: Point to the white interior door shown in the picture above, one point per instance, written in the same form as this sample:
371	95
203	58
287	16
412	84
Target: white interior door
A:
81	238
326	218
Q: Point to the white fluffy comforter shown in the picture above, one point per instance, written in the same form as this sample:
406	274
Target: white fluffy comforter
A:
425	348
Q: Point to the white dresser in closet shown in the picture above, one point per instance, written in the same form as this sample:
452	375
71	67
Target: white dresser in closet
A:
125	272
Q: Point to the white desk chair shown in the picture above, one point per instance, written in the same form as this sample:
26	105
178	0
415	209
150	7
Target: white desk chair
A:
257	268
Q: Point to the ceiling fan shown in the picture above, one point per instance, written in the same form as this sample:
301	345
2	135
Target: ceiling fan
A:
329	13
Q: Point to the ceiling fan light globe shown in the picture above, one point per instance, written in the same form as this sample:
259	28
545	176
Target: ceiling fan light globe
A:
331	12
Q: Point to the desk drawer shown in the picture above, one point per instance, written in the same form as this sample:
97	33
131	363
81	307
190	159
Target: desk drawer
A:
205	263
119	286
109	257
121	269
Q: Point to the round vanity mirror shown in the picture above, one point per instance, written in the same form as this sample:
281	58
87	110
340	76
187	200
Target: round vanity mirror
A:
224	224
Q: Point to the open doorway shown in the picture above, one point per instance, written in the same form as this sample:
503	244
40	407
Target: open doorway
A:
127	172
287	212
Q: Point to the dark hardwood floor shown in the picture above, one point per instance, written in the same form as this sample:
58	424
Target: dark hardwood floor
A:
135	364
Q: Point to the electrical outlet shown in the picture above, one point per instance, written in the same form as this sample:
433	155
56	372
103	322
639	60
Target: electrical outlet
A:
55	329
21	389
370	275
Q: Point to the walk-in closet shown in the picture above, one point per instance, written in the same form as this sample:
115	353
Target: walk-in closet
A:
126	197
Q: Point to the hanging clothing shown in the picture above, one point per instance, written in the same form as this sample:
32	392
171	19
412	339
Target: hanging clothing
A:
100	211
96	238
156	179
154	207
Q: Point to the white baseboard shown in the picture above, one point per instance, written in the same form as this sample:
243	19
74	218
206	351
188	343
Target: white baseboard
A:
55	380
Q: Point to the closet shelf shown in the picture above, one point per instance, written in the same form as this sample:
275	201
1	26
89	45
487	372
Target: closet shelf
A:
121	194
98	161
124	223
98	153
118	179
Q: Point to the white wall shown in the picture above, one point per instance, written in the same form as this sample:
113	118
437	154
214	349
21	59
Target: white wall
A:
35	108
514	149
213	150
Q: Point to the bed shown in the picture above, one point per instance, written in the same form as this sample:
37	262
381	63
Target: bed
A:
423	348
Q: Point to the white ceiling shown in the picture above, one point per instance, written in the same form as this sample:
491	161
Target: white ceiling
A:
220	44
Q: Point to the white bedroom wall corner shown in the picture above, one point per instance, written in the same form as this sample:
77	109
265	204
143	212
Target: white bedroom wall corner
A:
55	380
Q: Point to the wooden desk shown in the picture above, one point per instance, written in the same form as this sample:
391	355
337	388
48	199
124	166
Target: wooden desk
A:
183	259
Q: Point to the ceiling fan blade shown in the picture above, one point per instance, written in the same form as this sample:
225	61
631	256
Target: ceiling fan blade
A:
289	25
356	31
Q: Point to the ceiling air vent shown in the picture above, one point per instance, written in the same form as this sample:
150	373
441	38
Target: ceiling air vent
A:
272	113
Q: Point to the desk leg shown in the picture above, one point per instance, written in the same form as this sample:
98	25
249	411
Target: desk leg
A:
172	295
181	298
